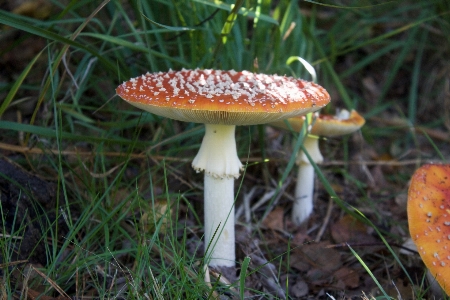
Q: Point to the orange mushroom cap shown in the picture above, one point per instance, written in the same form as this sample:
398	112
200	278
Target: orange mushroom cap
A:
429	219
327	125
223	97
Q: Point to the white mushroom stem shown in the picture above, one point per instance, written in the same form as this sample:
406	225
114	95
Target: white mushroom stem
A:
219	221
218	158
304	190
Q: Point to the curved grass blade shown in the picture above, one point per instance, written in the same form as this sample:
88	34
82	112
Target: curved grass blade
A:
242	276
385	243
350	7
11	20
229	22
241	11
47	132
171	28
13	91
369	272
132	46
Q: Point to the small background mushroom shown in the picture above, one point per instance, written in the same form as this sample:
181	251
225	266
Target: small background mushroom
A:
342	123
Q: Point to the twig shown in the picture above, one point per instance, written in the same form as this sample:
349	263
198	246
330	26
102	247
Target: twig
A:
405	125
353	245
52	283
27	150
326	220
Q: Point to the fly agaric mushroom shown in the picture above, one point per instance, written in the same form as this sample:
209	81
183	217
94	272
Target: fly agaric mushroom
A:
221	100
429	219
322	125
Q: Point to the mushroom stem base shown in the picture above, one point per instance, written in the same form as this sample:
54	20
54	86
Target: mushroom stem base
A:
219	221
304	190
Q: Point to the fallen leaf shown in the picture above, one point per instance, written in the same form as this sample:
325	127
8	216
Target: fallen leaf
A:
348	276
351	230
300	238
316	256
274	219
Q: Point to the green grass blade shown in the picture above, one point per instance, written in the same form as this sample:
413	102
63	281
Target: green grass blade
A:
242	10
15	87
351	7
361	261
133	46
435	147
399	61
170	28
343	205
13	21
290	165
229	22
336	79
242	276
367	221
48	132
413	91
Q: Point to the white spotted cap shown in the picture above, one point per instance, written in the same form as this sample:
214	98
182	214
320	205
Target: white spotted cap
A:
327	125
223	97
429	219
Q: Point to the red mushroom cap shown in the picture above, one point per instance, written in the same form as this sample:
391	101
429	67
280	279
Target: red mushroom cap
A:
429	219
223	97
327	125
